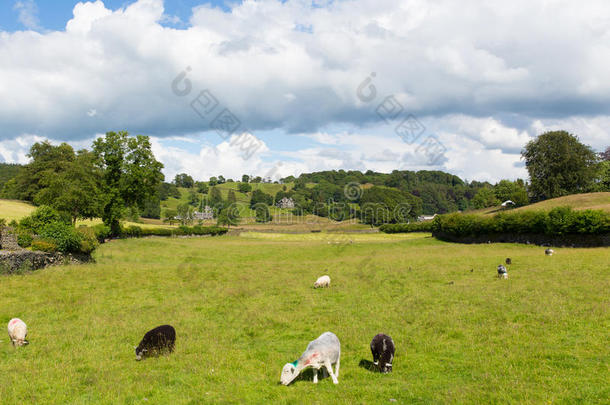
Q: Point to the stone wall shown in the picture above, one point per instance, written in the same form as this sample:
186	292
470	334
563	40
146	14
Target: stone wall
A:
20	261
8	240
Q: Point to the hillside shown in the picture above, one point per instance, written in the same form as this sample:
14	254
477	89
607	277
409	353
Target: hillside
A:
594	201
13	209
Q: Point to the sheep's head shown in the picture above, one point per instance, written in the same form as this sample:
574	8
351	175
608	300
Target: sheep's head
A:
139	352
289	373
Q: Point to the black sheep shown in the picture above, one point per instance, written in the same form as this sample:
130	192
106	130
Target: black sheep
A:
508	261
157	341
382	347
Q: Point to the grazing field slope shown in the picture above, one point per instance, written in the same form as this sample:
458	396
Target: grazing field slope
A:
594	201
13	209
244	306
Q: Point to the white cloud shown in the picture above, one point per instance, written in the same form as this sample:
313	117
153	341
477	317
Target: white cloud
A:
461	67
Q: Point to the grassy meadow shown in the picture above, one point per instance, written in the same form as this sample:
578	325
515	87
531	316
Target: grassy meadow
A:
244	305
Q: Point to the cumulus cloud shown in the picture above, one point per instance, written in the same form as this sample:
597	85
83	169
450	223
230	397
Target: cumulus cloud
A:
490	76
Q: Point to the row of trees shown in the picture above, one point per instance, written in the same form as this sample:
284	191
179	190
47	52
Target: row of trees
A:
119	174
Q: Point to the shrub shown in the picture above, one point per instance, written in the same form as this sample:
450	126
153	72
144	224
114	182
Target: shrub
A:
44	246
24	238
132	231
101	231
89	241
41	217
558	221
66	238
425	226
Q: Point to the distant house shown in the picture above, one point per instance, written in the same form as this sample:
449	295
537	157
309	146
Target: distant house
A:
207	213
285	203
508	203
425	217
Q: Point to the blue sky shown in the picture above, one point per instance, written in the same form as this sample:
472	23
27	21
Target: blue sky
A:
303	85
53	14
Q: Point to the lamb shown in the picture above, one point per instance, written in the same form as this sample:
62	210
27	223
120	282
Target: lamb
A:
508	261
157	341
549	252
382	347
323	281
17	332
324	351
502	273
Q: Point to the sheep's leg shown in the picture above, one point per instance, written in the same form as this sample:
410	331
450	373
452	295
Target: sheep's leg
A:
330	371
315	376
337	367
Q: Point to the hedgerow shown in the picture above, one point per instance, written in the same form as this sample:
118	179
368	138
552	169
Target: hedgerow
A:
556	222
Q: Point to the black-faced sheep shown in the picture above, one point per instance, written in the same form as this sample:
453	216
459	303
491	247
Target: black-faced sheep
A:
17	332
549	252
382	347
159	340
322	352
502	273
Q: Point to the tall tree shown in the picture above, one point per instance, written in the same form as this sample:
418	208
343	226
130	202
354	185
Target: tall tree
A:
46	161
214	197
559	164
130	172
184	180
76	190
245	178
231	199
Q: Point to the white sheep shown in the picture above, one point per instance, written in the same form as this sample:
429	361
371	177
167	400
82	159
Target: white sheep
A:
549	252
323	281
324	351
17	332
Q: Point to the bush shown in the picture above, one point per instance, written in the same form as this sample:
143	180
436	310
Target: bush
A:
89	241
425	226
132	231
41	217
558	221
101	231
136	231
24	238
44	246
67	239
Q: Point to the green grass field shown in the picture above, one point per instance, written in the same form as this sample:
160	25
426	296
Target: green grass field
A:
594	201
14	209
243	306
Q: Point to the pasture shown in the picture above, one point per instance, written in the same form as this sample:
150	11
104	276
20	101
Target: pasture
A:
243	306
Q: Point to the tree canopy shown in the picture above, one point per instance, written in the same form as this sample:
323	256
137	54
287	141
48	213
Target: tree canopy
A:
559	164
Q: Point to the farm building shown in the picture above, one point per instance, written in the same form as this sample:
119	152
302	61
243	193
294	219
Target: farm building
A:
285	203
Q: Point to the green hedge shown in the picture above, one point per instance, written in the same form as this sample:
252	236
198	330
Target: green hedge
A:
424	226
135	231
559	221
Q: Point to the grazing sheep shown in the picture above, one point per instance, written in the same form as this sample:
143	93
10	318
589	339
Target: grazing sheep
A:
157	341
508	261
17	332
502	273
382	347
324	351
323	281
549	252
